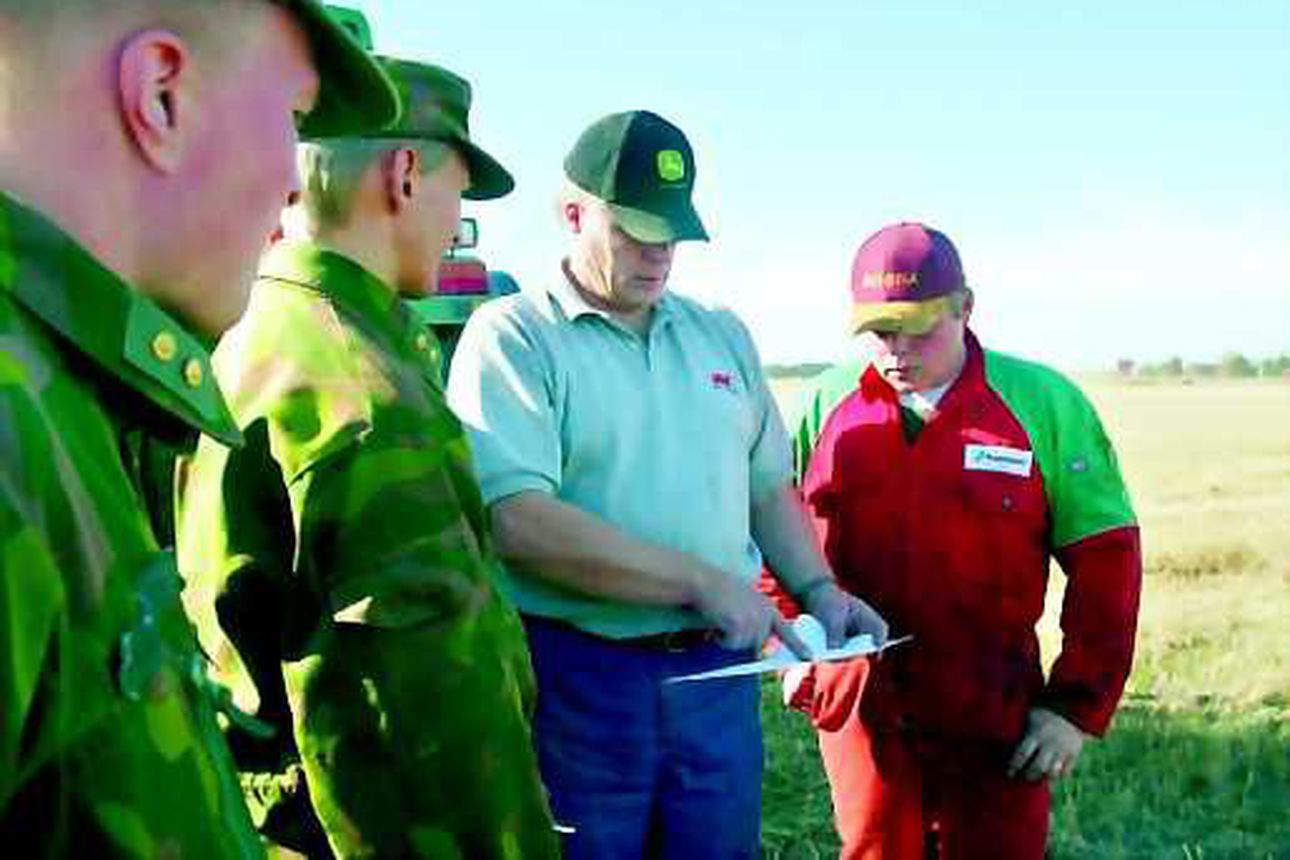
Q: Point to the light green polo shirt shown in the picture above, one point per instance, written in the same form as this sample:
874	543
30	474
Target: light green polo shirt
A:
667	436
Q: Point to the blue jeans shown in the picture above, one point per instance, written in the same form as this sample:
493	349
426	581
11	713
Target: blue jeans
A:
643	769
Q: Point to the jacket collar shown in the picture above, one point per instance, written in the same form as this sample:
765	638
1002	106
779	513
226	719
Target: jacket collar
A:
971	378
349	284
98	315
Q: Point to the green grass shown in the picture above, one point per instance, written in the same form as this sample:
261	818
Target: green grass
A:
1189	783
1197	764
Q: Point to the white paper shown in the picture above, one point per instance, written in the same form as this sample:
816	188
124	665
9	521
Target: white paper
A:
811	632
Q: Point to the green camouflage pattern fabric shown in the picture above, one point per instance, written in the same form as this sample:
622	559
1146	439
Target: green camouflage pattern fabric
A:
340	561
109	744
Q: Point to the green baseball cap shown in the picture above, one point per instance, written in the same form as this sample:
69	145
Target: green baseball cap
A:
355	94
643	168
436	106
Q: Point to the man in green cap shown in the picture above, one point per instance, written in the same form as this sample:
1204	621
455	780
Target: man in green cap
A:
340	562
145	149
637	470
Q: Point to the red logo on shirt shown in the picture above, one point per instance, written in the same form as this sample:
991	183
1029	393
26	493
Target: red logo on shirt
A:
722	380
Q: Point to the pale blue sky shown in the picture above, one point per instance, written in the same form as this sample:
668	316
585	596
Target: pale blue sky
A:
1115	174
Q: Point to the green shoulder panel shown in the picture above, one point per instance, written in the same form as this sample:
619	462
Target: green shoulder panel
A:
1082	481
174	369
805	419
121	332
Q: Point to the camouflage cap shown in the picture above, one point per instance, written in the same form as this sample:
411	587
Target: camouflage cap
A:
355	94
436	106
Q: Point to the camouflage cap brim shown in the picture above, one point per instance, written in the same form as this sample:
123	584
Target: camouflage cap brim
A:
355	94
488	179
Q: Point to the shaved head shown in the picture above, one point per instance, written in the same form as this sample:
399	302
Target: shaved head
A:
43	43
332	170
46	10
49	29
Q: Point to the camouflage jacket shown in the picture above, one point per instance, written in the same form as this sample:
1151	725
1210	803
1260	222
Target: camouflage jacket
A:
108	741
342	556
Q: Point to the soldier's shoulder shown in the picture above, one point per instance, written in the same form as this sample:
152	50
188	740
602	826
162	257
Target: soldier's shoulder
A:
292	362
277	309
28	359
288	338
42	395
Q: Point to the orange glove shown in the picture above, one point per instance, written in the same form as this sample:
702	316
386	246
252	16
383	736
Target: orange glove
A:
836	697
828	693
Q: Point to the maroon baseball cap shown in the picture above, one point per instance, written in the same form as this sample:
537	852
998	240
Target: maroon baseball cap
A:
902	279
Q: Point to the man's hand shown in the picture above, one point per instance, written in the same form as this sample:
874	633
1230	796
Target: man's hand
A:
745	616
843	615
1050	748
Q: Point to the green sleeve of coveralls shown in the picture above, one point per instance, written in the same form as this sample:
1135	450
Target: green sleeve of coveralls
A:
1082	481
813	406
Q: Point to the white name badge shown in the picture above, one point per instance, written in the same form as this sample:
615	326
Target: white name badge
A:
998	458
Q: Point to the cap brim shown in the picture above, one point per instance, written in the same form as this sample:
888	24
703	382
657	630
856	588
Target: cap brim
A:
355	95
680	226
899	317
488	179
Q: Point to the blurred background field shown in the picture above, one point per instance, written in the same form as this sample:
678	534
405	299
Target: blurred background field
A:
1197	764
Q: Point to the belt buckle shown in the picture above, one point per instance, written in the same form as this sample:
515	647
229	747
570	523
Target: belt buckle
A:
674	641
687	639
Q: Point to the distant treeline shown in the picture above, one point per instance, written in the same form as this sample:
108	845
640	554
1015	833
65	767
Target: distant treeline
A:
796	371
1233	365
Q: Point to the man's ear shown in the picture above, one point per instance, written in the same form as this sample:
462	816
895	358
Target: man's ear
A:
572	212
153	83
969	299
402	177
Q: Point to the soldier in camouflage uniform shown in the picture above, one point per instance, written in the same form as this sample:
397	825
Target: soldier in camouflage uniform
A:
342	556
109	745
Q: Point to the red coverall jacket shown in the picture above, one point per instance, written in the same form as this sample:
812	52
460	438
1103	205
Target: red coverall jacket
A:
950	538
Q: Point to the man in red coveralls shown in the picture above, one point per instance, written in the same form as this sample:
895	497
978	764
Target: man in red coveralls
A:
942	478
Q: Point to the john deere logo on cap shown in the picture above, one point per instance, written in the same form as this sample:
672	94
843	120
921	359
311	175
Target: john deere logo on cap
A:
671	165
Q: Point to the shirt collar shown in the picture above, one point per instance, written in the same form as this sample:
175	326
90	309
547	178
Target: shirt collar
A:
574	306
97	314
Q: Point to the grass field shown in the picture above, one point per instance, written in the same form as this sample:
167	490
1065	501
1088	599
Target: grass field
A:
1197	765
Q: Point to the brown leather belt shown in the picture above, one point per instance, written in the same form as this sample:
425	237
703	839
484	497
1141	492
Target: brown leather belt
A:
673	641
